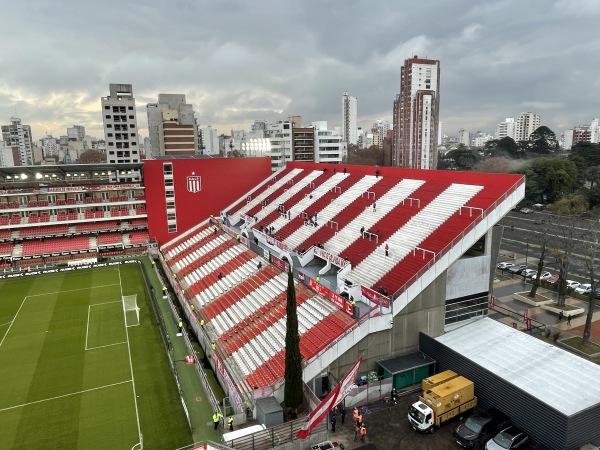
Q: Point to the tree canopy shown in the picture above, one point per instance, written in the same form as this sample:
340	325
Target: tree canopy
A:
92	157
543	141
549	178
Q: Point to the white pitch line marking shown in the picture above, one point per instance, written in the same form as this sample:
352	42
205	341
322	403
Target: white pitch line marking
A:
65	395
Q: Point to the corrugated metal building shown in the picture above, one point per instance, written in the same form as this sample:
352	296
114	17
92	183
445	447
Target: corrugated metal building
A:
550	393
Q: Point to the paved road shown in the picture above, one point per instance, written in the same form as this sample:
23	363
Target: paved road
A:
522	236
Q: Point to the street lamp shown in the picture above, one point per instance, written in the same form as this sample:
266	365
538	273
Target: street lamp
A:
526	249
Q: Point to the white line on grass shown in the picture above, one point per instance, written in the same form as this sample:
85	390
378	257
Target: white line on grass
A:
107	345
65	395
12	321
137	415
2	324
87	326
74	290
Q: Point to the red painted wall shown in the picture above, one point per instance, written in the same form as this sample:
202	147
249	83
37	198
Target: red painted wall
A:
224	181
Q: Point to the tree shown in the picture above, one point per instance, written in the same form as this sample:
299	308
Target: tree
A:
495	164
548	179
293	359
92	157
543	239
590	262
505	147
372	156
463	158
567	238
543	141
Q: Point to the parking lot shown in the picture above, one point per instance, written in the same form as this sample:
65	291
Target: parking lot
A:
388	429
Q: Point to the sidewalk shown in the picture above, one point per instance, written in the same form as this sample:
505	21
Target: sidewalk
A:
537	313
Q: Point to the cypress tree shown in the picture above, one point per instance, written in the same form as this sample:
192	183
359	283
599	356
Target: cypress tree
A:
293	359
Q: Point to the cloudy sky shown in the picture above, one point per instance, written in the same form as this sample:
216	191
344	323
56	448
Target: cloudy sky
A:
238	61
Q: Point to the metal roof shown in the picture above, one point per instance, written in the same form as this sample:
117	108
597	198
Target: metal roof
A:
562	380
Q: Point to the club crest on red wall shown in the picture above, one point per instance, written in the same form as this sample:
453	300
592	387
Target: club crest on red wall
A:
194	183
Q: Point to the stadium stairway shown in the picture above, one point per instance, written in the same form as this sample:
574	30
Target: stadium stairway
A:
272	190
282	174
413	233
285	193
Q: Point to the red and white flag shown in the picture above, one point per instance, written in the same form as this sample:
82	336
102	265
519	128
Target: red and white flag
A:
333	399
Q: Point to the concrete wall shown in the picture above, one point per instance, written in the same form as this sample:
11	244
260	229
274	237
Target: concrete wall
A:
424	314
468	276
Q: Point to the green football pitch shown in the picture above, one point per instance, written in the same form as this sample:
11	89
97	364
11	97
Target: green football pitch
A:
79	372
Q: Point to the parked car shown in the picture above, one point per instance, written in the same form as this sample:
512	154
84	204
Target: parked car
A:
505	265
572	284
517	269
552	280
479	428
540	221
583	289
543	276
510	438
528	273
526	210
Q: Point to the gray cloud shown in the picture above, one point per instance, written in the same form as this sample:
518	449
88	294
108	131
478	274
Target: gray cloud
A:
239	61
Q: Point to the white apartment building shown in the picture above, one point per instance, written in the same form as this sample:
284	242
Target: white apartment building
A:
526	124
595	131
50	146
330	146
6	155
172	126
76	132
18	136
210	141
120	129
480	139
280	139
349	119
567	139
464	137
505	129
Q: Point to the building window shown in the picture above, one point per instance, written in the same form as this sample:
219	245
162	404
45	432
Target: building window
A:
108	125
132	134
109	134
130	108
110	144
132	125
107	116
107	107
131	117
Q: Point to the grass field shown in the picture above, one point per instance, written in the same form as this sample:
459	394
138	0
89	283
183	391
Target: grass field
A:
74	376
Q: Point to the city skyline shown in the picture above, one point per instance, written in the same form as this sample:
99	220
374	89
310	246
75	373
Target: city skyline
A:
499	59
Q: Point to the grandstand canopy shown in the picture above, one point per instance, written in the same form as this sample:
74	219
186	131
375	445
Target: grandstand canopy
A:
29	176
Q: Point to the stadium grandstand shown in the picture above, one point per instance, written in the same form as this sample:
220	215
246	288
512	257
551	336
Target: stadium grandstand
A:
50	214
378	254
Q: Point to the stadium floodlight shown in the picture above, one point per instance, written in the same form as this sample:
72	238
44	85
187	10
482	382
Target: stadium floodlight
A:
131	310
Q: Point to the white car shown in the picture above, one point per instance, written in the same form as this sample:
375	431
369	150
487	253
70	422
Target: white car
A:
543	276
583	289
572	284
528	273
504	265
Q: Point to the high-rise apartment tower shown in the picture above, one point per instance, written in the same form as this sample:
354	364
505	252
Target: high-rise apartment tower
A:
416	114
120	125
349	119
